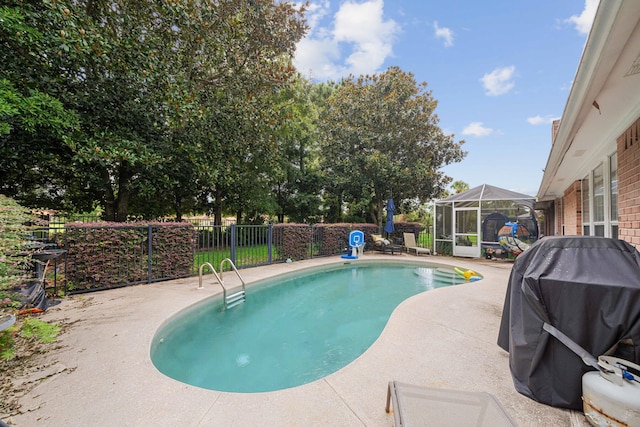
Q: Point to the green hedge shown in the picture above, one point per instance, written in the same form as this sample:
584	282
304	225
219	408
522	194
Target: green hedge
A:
101	255
302	241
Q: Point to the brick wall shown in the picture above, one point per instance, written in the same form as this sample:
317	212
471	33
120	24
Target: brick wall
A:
629	185
573	210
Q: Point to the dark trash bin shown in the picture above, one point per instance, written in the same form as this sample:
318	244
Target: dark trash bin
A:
586	287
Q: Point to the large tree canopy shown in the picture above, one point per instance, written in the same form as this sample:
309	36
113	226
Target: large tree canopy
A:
152	84
33	121
165	107
382	140
297	181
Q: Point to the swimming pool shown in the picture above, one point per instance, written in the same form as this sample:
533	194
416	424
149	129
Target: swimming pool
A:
292	329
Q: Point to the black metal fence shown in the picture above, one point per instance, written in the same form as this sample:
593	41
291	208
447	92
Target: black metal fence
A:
55	221
103	257
244	245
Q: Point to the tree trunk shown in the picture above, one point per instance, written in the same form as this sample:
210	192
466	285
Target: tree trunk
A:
334	212
281	203
375	211
122	208
124	191
217	207
177	206
117	207
109	196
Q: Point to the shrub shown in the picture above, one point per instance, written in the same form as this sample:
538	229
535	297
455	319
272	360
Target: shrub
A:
334	238
14	260
292	241
104	255
15	263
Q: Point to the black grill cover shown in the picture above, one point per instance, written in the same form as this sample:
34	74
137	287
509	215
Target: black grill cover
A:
588	288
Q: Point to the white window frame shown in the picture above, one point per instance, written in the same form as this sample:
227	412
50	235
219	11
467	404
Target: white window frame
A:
607	223
586	215
605	197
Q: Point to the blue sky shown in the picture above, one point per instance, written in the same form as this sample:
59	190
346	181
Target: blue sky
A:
500	70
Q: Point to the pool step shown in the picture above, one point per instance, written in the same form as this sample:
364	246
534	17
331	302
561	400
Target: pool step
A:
443	276
447	275
235	299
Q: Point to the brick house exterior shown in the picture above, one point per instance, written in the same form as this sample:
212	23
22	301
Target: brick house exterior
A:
629	185
572	202
591	183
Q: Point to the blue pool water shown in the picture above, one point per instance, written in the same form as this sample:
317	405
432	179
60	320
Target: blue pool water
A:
292	329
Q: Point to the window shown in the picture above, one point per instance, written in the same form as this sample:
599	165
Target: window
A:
598	194
599	190
598	200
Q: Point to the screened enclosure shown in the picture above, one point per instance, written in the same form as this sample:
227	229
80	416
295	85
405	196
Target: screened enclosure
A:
470	224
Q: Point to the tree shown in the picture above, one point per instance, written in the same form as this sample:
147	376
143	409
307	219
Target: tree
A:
34	162
297	182
459	186
175	91
381	139
90	58
227	59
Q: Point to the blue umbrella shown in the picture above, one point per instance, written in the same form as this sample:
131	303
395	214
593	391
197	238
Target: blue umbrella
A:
388	227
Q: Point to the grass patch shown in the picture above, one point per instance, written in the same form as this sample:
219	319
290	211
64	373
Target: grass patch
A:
245	255
45	332
26	331
425	240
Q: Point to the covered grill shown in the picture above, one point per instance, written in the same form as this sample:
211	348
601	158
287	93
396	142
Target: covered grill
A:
586	287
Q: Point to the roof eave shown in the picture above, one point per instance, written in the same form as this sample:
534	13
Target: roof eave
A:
589	79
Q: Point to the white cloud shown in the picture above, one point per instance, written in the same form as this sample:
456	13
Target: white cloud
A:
317	58
477	129
443	33
539	120
499	81
315	13
359	29
583	21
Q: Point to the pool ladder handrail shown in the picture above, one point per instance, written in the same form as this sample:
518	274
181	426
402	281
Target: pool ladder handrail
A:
233	299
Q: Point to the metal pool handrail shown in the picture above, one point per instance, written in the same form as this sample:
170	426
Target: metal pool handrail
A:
233	299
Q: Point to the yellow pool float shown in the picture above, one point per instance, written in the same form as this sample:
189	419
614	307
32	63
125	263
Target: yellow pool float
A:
467	274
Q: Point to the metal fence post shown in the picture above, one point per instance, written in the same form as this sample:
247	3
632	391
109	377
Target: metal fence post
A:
234	242
149	253
270	244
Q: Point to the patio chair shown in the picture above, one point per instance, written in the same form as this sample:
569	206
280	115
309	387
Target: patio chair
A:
426	406
411	245
383	245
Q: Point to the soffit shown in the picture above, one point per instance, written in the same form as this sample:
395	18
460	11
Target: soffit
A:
606	75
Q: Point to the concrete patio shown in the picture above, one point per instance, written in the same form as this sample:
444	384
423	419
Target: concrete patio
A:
444	338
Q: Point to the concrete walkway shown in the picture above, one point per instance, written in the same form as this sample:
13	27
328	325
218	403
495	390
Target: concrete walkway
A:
446	338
